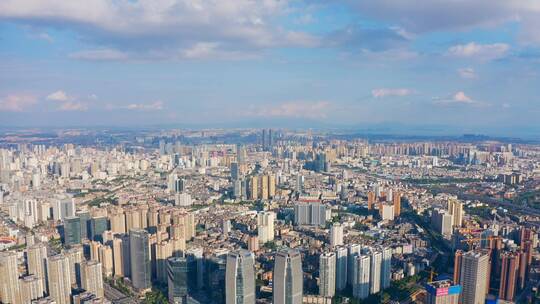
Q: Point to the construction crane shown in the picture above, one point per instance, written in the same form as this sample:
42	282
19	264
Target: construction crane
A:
432	273
470	230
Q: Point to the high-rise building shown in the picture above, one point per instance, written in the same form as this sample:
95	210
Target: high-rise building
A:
36	257
442	292
141	271
118	221
341	268
473	276
442	222
313	214
98	225
59	279
371	199
386	267
75	256
375	274
118	257
254	188
85	220
336	234
31	288
353	250
72	230
327	274
264	187
455	208
509	263
235	171
240	278
362	276
9	278
91	278
288	278
265	226
397	203
177	276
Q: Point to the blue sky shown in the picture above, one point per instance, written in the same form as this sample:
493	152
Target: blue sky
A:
465	65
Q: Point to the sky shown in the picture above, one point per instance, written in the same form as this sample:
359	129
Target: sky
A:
448	65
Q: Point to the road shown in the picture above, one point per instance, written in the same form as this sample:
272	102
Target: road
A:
115	296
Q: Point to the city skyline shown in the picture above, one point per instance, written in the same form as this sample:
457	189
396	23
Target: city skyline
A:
378	64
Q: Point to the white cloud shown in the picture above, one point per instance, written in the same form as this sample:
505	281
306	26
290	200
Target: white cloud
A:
99	54
386	92
139	28
294	109
66	102
58	96
467	73
459	98
17	103
480	51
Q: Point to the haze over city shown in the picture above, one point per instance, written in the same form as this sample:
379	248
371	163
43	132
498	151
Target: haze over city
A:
459	66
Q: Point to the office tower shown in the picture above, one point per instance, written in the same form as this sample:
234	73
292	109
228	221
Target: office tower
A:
59	279
195	261
455	208
386	267
72	230
235	171
31	288
91	278
336	235
397	203
84	216
36	256
442	222
288	278
473	276
98	225
371	199
240	278
177	276
9	278
442	292
375	275
163	251
140	259
254	188
353	250
215	269
341	268
75	257
265	226
313	214
362	276
510	262
327	274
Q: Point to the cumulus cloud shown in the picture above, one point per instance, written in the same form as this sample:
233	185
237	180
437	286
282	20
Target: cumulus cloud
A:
386	92
459	98
139	28
480	51
467	73
17	103
294	109
58	96
66	102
